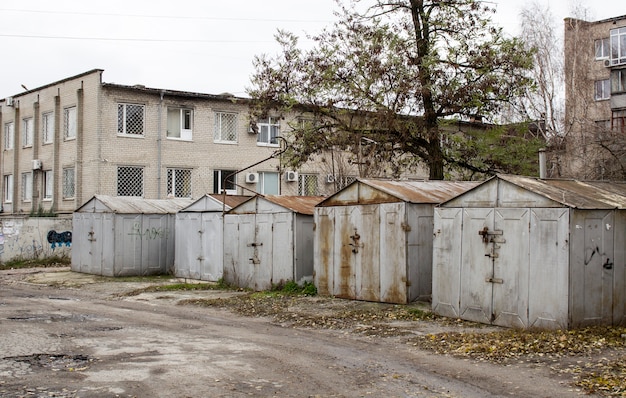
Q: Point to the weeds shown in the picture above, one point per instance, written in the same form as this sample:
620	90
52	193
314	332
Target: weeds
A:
48	262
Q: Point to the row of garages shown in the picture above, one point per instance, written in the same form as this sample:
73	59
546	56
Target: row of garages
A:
510	251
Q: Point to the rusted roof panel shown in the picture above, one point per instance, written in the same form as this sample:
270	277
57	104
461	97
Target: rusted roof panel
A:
299	204
230	200
135	205
419	192
587	195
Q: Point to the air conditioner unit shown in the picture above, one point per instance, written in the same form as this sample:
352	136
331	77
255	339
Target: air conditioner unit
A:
607	63
253	128
252	178
37	164
291	176
330	178
8	101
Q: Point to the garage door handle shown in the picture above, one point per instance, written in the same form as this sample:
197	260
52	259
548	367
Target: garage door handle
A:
494	280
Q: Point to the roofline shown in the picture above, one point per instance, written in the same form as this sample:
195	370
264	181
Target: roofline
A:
612	19
57	82
176	93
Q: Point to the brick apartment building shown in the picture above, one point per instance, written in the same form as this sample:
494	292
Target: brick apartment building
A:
595	98
69	140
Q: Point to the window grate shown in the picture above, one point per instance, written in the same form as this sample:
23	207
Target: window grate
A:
28	135
27	186
47	127
68	183
225	127
307	185
9	135
130	181
130	119
69	122
179	183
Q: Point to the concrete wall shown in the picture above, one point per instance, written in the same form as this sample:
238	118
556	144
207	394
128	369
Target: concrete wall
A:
34	237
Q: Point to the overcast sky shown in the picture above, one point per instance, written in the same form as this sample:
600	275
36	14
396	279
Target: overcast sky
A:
202	46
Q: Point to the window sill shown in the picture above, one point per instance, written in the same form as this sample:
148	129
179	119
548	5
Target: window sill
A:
225	142
267	145
179	139
130	135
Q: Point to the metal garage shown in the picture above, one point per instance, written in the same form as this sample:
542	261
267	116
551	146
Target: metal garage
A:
269	240
374	239
199	237
125	236
524	252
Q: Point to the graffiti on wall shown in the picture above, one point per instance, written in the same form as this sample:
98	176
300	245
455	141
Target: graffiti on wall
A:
58	239
148	233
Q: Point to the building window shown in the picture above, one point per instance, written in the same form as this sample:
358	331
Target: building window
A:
179	183
618	120
47	127
47	184
68	183
220	183
27	134
268	183
307	185
618	46
69	123
8	188
27	186
225	127
130	181
9	135
618	81
130	119
268	131
603	48
344	181
179	123
602	90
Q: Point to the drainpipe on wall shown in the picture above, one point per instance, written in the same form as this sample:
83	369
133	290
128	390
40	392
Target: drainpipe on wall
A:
542	163
159	145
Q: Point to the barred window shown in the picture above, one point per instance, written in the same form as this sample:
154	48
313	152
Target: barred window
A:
307	185
179	123
27	186
179	183
28	134
129	181
47	184
8	188
130	119
9	135
69	122
225	127
68	183
220	183
344	181
47	127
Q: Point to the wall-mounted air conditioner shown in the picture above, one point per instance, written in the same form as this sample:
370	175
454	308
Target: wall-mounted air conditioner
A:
8	101
37	165
330	179
607	63
291	176
253	128
252	178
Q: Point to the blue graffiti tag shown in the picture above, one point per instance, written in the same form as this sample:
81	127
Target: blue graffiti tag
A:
57	239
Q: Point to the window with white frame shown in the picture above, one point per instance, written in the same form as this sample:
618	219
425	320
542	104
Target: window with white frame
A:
307	185
603	48
618	46
602	90
220	181
269	128
27	186
129	181
179	183
618	81
47	184
268	183
28	133
180	123
618	120
69	186
225	127
9	135
130	119
47	127
8	188
69	123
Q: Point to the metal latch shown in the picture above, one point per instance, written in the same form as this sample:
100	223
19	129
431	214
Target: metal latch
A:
494	280
488	236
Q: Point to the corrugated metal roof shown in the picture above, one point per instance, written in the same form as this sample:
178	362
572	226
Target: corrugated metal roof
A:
299	204
135	205
230	200
573	193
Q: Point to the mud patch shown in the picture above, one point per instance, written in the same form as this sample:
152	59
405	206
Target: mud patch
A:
55	362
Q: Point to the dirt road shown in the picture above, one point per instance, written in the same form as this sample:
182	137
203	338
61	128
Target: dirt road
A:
83	340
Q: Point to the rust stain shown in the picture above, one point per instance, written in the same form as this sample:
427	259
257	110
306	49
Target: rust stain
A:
299	204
